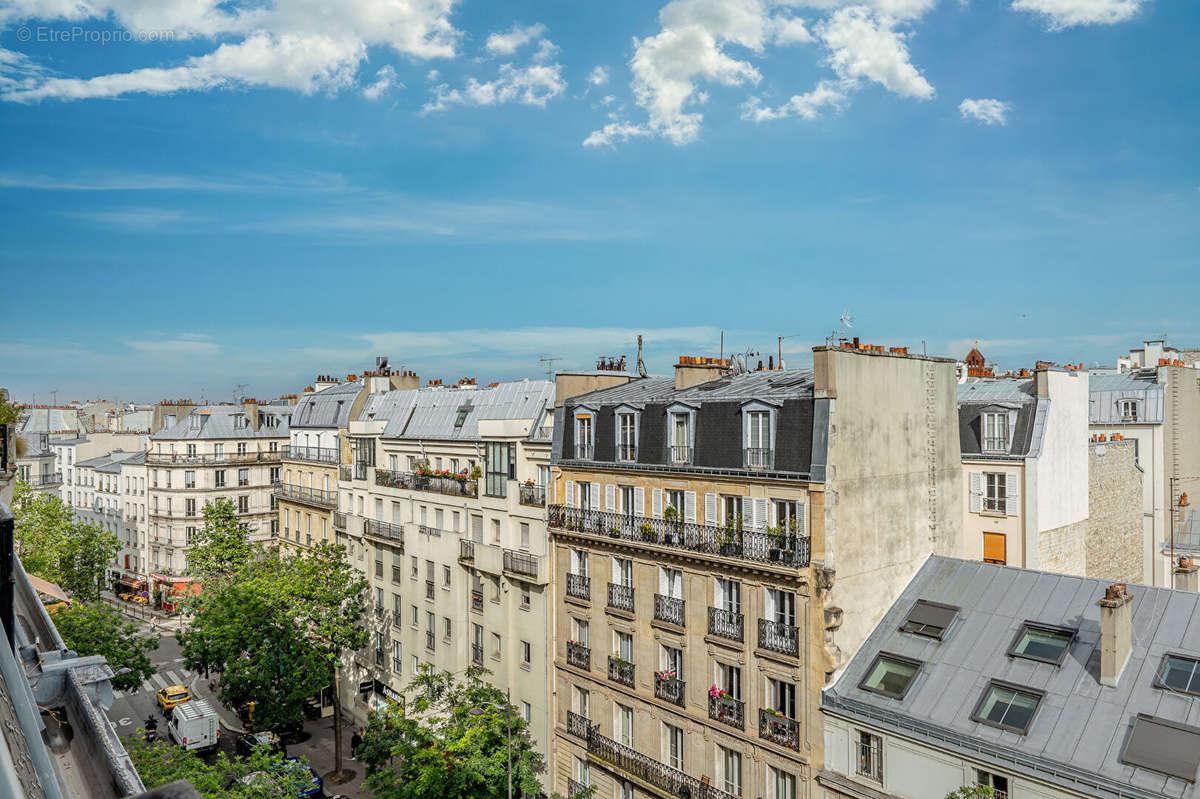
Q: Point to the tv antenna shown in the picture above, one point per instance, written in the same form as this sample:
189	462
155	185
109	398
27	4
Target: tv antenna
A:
847	320
549	366
238	391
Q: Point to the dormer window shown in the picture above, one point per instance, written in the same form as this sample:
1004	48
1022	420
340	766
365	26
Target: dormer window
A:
627	436
680	435
1128	409
759	440
995	432
584	439
194	422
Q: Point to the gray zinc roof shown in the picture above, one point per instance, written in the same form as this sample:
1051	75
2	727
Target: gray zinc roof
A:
217	423
1078	731
1107	389
778	384
329	407
112	461
432	413
49	420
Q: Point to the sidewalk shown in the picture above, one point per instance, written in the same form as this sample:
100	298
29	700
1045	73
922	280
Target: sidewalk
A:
132	610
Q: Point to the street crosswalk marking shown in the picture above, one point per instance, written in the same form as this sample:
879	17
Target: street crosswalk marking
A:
173	678
159	681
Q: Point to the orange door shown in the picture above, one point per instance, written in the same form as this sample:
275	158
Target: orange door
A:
994	548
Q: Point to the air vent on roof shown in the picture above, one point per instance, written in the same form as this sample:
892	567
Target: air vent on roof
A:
714	385
929	619
787	382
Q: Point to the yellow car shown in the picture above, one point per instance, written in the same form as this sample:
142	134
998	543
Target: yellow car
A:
171	696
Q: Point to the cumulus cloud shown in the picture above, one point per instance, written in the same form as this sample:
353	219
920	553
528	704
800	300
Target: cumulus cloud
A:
1060	14
806	106
384	80
598	76
295	46
985	110
513	39
865	45
533	84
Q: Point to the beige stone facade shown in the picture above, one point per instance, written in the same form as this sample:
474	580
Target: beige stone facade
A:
1114	542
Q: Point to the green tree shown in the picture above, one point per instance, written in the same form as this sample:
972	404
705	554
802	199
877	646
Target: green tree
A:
95	628
441	749
222	546
972	792
82	555
162	762
54	545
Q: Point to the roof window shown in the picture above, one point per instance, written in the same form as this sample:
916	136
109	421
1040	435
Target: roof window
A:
1009	707
930	619
1167	747
890	675
1179	673
1042	642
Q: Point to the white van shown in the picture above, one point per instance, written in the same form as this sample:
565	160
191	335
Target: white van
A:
195	726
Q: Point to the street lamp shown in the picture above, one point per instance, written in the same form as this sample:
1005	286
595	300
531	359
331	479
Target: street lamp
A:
507	708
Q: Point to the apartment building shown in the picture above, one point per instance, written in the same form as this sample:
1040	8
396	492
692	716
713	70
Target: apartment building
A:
1154	399
71	448
444	511
135	522
1030	683
1024	443
36	463
719	539
215	451
99	500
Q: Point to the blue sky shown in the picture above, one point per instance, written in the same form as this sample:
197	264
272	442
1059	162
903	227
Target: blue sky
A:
197	194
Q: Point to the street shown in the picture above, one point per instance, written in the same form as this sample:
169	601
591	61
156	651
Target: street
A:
131	708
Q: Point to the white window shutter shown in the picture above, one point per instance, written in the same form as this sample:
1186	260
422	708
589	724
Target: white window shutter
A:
656	505
663	582
569	491
975	503
1012	426
760	514
610	498
595	498
1012	497
718	593
689	507
639	501
616	570
748	513
801	519
710	510
769	604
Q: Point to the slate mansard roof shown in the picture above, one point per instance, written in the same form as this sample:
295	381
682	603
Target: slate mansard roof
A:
327	408
718	433
216	423
432	413
1026	416
1079	730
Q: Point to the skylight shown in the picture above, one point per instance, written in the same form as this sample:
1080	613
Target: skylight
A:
1009	707
890	675
929	619
1042	643
1167	747
1180	673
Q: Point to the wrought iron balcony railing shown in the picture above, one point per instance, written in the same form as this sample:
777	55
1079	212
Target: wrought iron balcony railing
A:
477	601
680	455
44	480
345	473
779	729
727	710
579	586
670	780
670	610
466	549
520	563
418	481
577	725
778	637
584	451
339	520
477	654
626	453
760	458
388	530
309	454
175	459
620	670
792	551
429	589
532	495
620	596
726	624
579	655
397	573
309	496
669	688
426	529
576	789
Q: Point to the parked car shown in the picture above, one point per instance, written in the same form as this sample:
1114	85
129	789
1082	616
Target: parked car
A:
171	696
195	726
247	742
299	779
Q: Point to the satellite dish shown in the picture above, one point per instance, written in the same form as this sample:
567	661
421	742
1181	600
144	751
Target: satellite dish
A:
847	320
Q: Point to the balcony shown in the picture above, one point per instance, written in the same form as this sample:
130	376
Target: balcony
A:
579	586
466	549
669	688
422	481
727	710
680	456
726	624
626	453
620	671
345	473
308	496
777	637
579	655
309	454
532	495
760	458
477	654
430	642
171	459
521	563
386	530
45	480
477	600
577	725
620	597
790	551
584	451
425	529
669	780
670	610
779	729
576	789
339	520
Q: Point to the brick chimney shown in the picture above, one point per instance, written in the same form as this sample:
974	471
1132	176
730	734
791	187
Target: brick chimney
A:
1187	574
694	369
1116	632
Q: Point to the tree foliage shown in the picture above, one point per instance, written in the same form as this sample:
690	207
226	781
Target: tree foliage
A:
222	546
56	546
439	749
95	628
161	762
972	792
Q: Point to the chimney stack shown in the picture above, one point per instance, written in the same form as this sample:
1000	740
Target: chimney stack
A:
1116	632
1187	574
693	369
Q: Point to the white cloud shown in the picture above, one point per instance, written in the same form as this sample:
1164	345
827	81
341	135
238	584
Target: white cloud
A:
614	132
533	85
385	79
865	45
598	76
985	110
789	30
514	39
181	346
1060	14
298	46
806	106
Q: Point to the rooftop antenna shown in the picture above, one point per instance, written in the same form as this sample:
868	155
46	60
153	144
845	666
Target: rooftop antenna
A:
780	346
54	397
238	391
641	365
549	366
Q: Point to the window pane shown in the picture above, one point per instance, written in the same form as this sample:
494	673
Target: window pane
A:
1181	674
890	676
1042	644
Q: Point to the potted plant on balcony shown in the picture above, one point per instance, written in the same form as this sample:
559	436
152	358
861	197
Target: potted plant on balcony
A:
729	537
674	532
648	533
780	544
666	675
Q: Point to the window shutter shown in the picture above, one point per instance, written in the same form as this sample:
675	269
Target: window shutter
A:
664	585
760	514
710	510
639	501
1012	426
1011	494
610	498
656	503
718	592
748	513
689	507
569	491
616	571
769	604
595	498
975	503
801	519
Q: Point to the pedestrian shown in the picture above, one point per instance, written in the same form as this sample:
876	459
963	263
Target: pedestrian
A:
355	742
153	622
